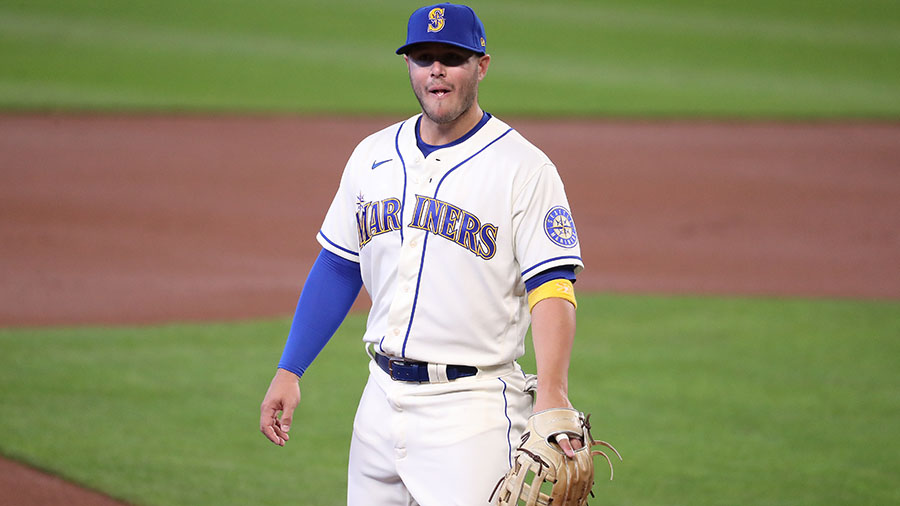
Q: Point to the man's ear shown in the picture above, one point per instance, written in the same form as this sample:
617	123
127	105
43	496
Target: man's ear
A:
483	64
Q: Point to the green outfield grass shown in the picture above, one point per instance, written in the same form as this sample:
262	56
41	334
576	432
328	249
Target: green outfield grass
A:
768	58
711	401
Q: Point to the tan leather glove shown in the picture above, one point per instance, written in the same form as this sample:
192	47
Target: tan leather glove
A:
541	474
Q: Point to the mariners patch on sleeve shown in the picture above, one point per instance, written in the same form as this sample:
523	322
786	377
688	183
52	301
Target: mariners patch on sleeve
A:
560	227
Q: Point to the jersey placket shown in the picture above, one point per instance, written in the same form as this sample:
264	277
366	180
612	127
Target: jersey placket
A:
421	174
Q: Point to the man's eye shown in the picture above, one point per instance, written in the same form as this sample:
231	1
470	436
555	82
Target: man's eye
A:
450	60
453	60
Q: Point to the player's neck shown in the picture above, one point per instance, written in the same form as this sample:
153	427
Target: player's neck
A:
438	134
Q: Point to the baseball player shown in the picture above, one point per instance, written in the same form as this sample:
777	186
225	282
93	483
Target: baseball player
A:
461	233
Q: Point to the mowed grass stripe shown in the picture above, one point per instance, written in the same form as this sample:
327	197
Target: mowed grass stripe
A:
706	398
878	32
708	19
124	36
95	95
666	76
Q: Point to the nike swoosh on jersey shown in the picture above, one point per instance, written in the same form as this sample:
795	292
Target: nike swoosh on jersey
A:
376	164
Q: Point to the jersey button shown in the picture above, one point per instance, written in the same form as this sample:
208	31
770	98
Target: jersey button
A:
413	243
396	332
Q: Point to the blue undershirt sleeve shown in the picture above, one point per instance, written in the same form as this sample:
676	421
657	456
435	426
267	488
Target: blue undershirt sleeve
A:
561	272
330	289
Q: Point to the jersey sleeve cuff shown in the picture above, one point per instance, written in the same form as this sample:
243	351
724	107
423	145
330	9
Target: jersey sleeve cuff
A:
335	248
550	263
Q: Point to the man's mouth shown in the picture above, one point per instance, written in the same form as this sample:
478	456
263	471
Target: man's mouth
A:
439	91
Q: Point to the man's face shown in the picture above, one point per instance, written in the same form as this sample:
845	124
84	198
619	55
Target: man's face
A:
445	79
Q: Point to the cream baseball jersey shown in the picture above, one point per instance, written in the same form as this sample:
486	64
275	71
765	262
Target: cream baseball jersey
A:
446	243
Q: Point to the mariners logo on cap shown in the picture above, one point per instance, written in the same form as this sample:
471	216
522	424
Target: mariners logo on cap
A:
560	227
436	19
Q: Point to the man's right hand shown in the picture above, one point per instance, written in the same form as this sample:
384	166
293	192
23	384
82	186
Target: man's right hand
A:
283	395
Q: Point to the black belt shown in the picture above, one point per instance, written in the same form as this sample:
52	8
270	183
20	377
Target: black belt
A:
417	372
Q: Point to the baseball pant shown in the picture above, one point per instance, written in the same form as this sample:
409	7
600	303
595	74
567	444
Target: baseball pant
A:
435	444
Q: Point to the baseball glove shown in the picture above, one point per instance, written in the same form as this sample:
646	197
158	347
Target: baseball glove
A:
541	474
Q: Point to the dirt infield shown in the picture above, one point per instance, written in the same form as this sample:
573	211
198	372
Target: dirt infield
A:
24	486
111	219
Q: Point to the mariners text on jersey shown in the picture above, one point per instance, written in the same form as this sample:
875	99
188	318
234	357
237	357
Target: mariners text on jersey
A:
375	218
458	225
441	218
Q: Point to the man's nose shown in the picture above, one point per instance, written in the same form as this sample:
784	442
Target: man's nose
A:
438	69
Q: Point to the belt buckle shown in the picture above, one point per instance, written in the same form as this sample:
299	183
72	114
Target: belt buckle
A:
391	362
410	374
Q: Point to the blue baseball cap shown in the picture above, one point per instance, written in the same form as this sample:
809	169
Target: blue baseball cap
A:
446	23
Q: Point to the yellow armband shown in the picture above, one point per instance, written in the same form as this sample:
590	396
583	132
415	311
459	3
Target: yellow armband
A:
560	288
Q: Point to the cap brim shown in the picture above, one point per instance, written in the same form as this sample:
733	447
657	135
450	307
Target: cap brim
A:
405	48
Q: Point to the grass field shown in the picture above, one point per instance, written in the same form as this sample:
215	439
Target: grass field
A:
770	58
710	401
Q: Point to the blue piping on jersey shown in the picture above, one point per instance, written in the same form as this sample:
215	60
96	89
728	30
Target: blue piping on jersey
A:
329	241
467	159
526	271
412	314
508	422
403	163
415	297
